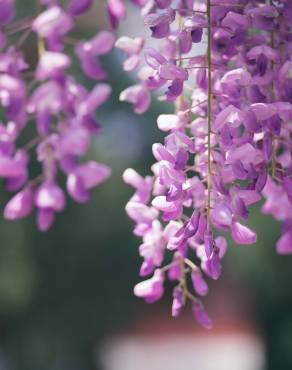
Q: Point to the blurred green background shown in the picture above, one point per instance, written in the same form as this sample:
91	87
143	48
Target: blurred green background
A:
63	292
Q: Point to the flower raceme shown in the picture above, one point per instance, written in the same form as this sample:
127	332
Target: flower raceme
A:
62	108
227	145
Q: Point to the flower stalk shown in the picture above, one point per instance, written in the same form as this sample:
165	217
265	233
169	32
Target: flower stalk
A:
274	157
209	114
180	98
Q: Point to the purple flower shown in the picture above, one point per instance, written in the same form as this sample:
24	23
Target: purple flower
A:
139	96
287	185
261	180
49	198
201	316
169	71
242	234
116	11
85	177
263	17
143	186
51	64
238	206
237	76
178	301
152	289
88	52
77	7
230	115
7	11
12	167
133	48
212	266
235	21
284	244
98	95
171	210
246	153
175	271
277	202
13	97
52	22
152	249
141	213
208	243
222	215
168	122
199	284
159	24
154	59
45	218
20	205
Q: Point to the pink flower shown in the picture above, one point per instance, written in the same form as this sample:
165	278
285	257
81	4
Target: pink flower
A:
284	244
78	7
139	96
20	205
51	64
133	48
201	316
52	22
199	284
152	289
242	234
178	301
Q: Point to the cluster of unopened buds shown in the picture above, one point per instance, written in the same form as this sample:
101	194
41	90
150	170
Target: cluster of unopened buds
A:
227	146
62	109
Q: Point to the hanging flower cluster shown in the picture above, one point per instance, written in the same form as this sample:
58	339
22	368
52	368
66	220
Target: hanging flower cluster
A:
62	109
227	146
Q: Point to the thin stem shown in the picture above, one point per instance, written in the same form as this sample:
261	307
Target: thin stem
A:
40	42
23	38
19	26
36	180
196	67
183	282
231	5
192	298
187	58
191	264
209	57
274	159
41	46
180	101
166	267
32	143
195	106
31	84
189	11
